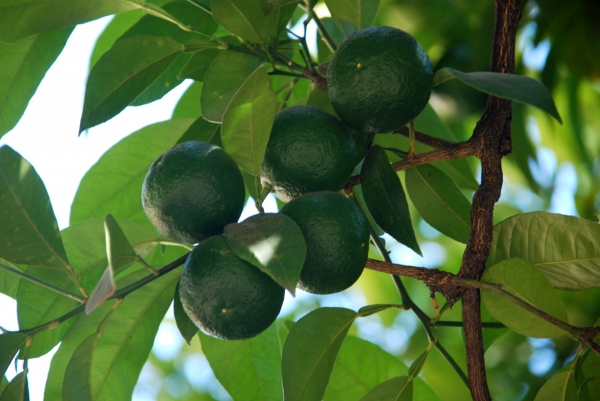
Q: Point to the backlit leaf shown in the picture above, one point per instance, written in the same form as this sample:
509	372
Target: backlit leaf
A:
226	74
273	243
439	201
396	389
277	15
565	249
509	86
560	387
122	74
10	344
523	280
198	64
78	375
114	184
124	345
385	198
202	130
27	17
24	64
17	389
248	369
243	18
247	121
360	13
28	229
115	28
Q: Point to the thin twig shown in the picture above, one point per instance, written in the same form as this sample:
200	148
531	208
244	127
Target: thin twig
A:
425	139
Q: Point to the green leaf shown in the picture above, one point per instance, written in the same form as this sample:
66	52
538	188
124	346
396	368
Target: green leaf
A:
318	97
27	17
24	64
335	33
360	13
523	280
348	27
560	387
417	365
509	86
565	249
115	28
28	229
310	351
385	198
247	121
114	184
396	389
78	374
189	106
353	356
198	64
125	343
186	327
202	130
10	344
243	18
439	201
122	74
228	71
273	243
277	15
248	369
17	389
358	195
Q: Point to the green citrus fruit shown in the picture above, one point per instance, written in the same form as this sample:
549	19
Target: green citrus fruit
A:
309	150
337	240
379	79
226	296
192	191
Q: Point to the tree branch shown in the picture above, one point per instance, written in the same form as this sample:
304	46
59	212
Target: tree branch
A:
428	140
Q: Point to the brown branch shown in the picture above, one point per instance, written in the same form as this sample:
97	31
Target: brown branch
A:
428	140
455	151
492	139
450	285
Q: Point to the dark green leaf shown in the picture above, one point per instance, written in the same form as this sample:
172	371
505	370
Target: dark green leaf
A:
17	389
310	351
122	74
243	18
186	327
247	122
78	374
198	64
114	184
10	344
223	78
202	130
522	279
248	369
396	389
568	252
27	17
348	27
125	343
318	97
439	201
372	309
560	387
509	86
385	198
273	243
358	195
336	35
24	64
277	15
28	228
360	13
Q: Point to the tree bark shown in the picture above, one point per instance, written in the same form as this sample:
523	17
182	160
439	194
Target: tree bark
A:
491	138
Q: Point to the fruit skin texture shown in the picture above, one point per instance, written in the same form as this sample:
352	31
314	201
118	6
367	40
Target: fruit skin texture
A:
309	150
337	240
192	191
379	79
226	296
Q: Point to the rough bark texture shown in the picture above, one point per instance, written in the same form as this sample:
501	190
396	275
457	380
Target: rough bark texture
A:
492	140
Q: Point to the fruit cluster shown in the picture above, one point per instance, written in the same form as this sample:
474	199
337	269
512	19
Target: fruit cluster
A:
378	80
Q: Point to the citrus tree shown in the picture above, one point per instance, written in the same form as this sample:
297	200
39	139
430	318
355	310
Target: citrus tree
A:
344	136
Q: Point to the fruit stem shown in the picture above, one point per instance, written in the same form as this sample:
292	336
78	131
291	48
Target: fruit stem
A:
411	137
266	190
